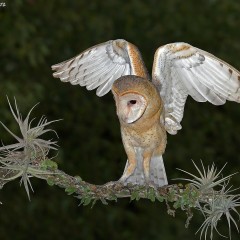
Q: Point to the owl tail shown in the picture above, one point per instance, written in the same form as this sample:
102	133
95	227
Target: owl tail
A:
157	171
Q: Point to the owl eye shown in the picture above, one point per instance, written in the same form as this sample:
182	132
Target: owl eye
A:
132	102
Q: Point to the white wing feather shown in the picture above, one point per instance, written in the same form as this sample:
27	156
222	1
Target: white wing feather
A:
180	70
99	66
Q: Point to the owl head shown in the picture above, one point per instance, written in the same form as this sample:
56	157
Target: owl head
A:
136	98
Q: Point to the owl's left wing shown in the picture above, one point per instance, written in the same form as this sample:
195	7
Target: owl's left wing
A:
180	70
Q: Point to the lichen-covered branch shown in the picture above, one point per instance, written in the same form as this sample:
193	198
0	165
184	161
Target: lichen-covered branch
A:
28	157
47	170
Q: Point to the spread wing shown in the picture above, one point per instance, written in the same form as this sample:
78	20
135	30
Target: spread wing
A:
180	70
99	66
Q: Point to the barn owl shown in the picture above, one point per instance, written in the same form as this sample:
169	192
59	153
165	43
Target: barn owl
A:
147	109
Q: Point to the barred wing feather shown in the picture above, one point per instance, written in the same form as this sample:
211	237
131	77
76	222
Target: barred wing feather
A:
180	70
99	66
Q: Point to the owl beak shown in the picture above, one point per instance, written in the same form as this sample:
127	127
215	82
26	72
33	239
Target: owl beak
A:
125	117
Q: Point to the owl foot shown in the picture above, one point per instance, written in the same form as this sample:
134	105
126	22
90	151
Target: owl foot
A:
123	180
151	184
132	179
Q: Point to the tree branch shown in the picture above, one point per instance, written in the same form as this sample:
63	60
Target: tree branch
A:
47	170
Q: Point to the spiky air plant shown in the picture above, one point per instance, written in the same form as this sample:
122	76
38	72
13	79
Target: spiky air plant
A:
216	198
22	159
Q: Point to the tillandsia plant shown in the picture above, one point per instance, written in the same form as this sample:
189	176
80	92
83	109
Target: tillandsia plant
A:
215	200
23	159
207	192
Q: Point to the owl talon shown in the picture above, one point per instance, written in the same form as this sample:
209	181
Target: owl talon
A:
151	184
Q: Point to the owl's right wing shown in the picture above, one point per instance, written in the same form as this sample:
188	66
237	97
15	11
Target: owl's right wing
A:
99	66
